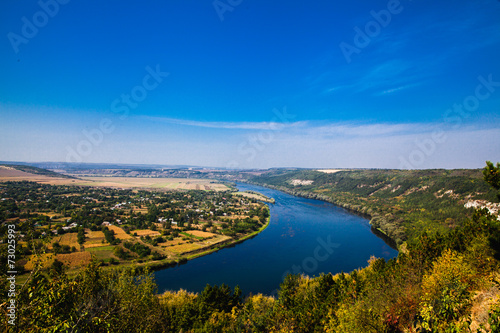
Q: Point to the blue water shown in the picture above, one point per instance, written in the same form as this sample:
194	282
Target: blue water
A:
304	236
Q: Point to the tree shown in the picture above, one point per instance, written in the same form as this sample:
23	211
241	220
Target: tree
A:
81	236
57	268
492	175
447	292
56	247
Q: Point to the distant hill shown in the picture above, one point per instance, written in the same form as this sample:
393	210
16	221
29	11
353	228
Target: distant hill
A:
400	203
37	171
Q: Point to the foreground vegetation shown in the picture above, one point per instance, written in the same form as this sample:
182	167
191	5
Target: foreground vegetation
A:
433	288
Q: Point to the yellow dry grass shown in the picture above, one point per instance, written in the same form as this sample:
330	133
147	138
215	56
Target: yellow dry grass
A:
11	174
172	242
251	195
145	232
75	259
216	240
183	248
199	233
45	259
94	239
153	183
70	239
119	232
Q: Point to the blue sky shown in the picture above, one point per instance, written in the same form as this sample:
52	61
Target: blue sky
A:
251	84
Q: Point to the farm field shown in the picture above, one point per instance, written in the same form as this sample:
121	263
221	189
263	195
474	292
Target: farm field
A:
119	232
9	174
183	248
69	239
180	247
254	195
145	232
199	233
94	239
75	259
71	260
45	259
101	253
153	183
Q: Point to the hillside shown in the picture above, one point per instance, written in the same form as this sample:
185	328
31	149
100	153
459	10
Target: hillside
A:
37	171
400	203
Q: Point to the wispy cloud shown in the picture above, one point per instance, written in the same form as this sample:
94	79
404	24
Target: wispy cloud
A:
377	79
315	130
245	125
397	89
390	76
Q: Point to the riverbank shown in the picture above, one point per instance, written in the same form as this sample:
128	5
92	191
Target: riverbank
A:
167	263
357	210
255	195
233	242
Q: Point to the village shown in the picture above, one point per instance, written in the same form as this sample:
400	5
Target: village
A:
66	226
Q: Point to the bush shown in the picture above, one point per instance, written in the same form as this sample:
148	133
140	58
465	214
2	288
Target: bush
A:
447	292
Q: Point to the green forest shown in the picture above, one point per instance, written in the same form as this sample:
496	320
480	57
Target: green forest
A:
445	278
399	203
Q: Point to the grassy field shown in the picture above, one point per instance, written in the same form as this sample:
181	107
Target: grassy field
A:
11	174
146	232
46	259
185	247
217	239
71	260
153	183
205	240
254	195
119	232
94	239
101	253
67	239
75	259
172	242
199	233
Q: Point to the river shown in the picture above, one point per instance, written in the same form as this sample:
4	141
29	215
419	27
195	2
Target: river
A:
304	236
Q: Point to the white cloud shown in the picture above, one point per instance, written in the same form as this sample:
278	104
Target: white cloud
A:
271	125
373	146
